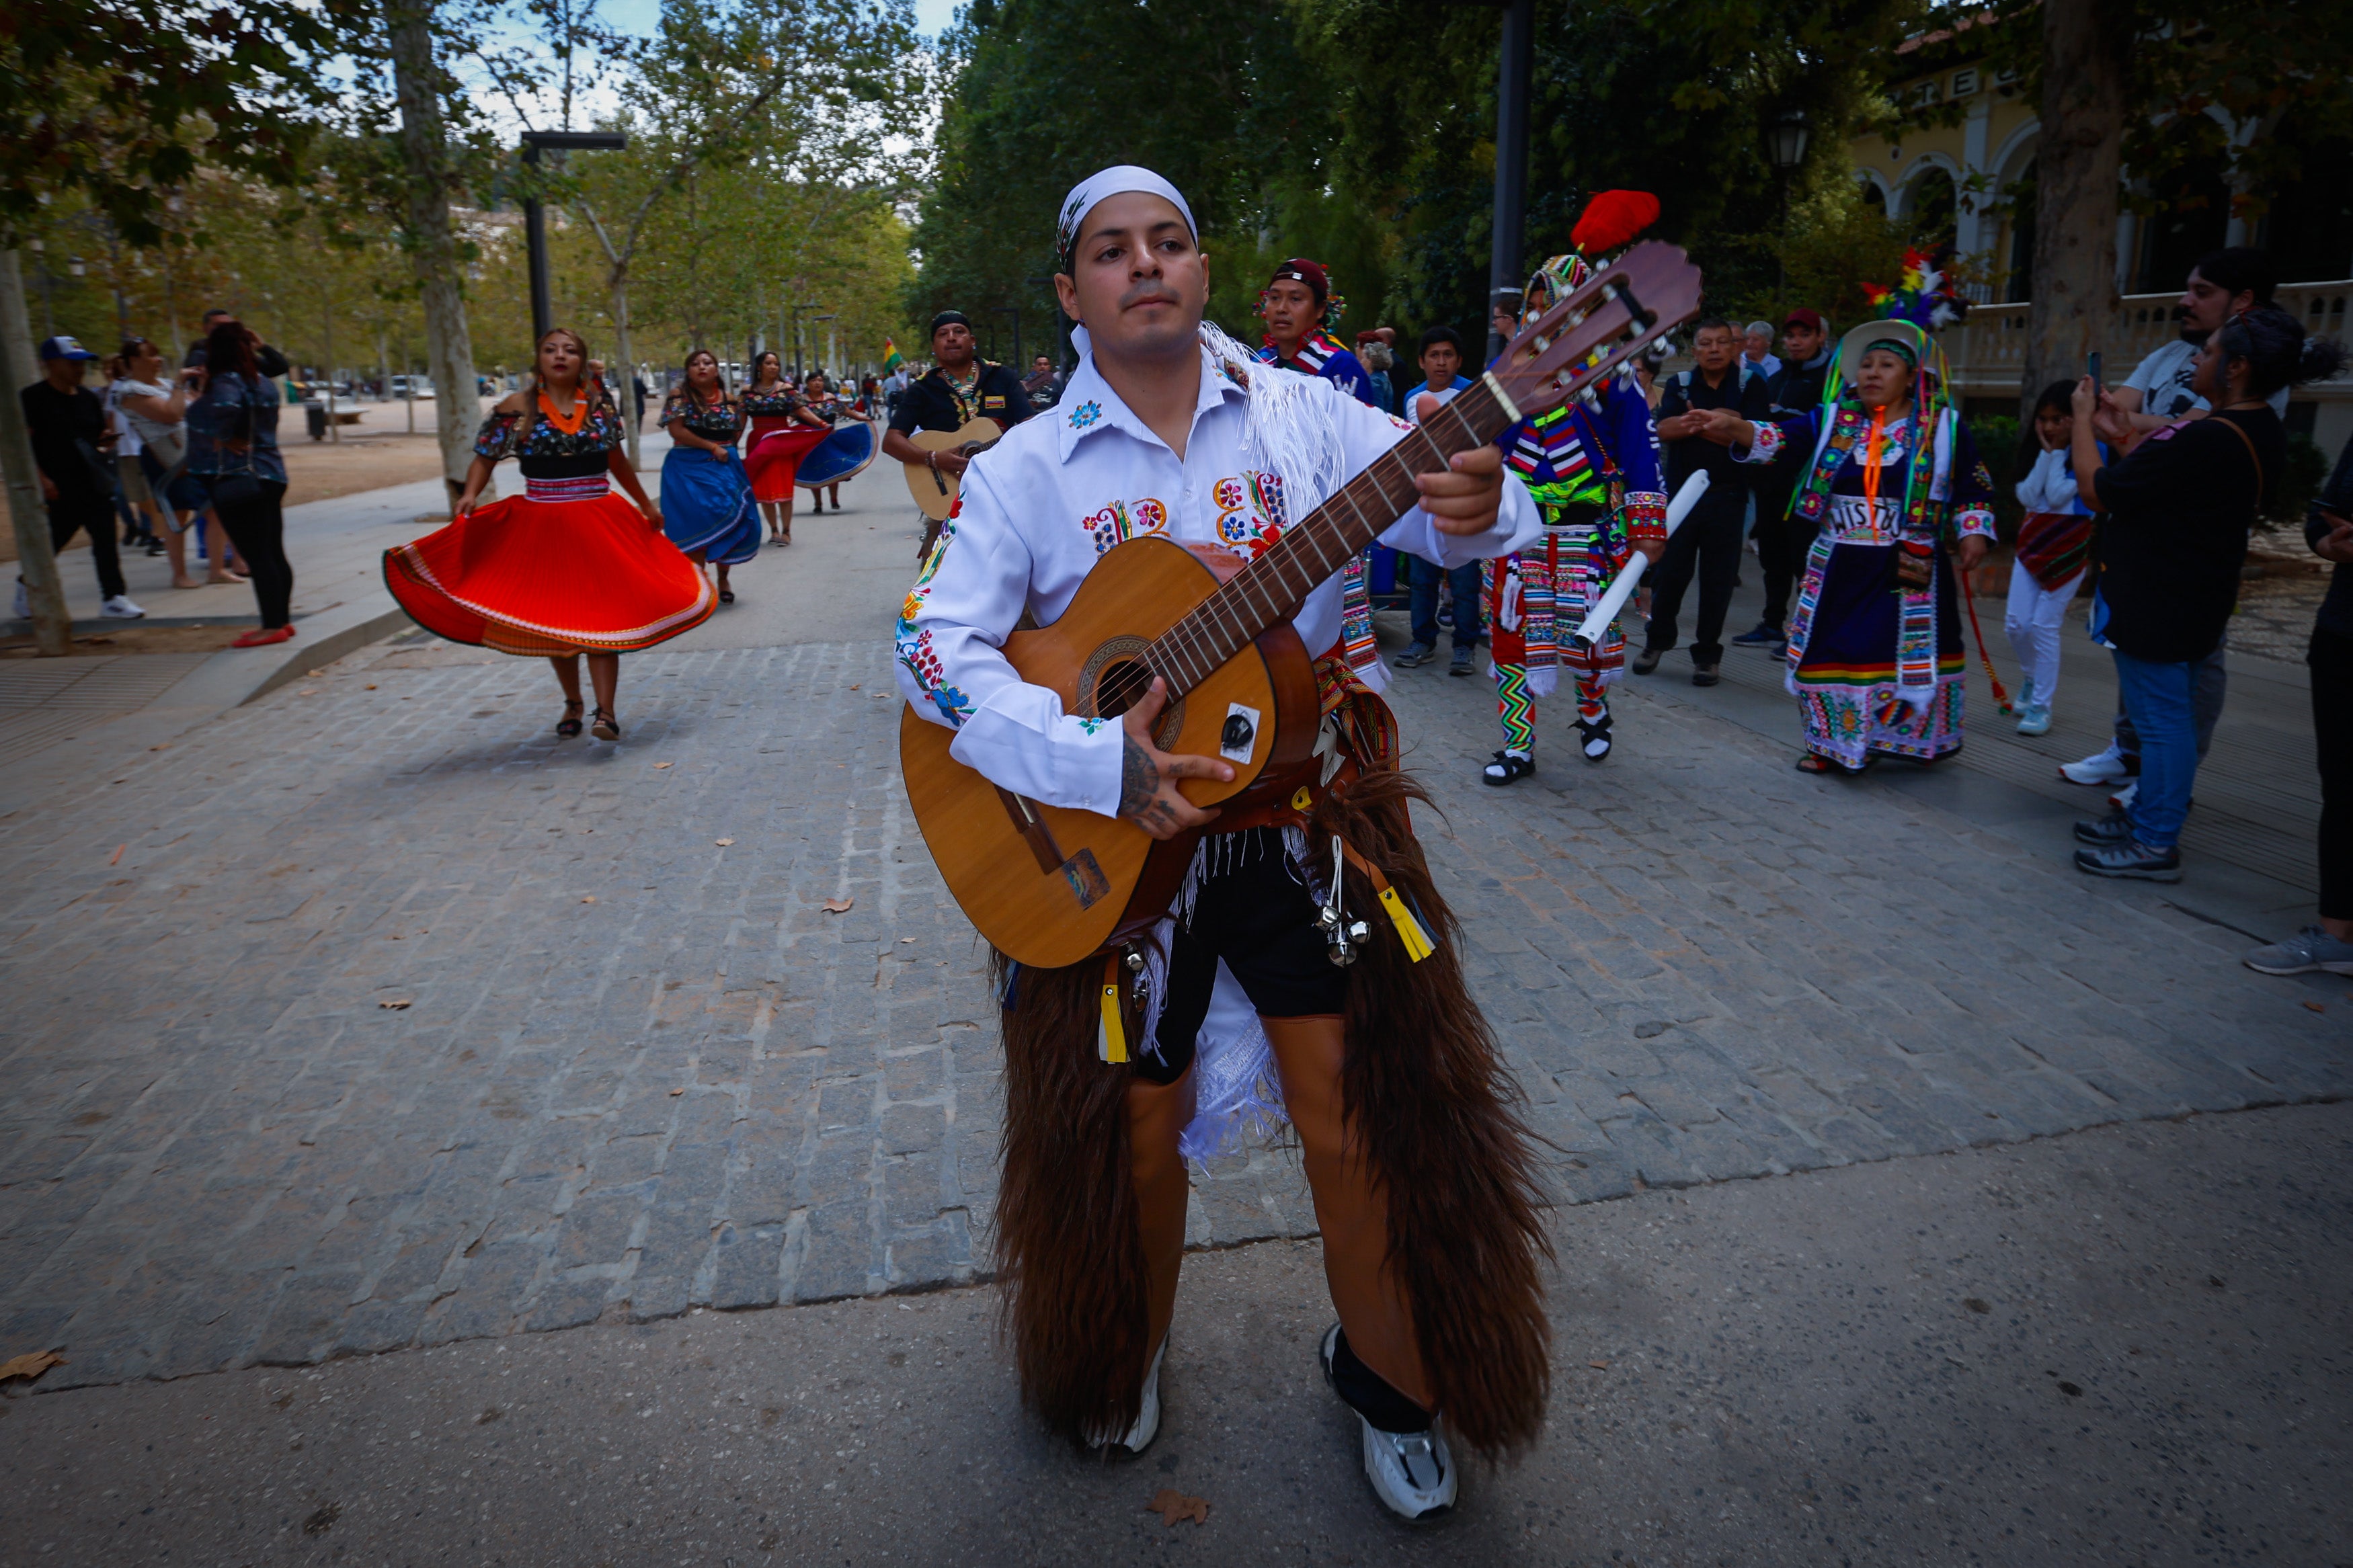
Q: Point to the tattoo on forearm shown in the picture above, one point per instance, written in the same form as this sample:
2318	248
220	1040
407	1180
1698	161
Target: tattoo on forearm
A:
1139	779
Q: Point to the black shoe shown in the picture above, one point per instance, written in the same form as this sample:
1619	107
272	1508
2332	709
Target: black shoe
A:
2137	861
1704	675
1509	767
1761	635
1648	660
2113	829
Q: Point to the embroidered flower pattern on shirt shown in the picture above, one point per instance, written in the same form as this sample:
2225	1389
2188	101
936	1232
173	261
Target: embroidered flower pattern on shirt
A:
1085	414
1250	515
914	645
1091	725
1122	520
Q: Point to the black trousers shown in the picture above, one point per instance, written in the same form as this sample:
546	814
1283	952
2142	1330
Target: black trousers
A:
1708	544
2331	658
93	515
249	510
1781	546
1251	911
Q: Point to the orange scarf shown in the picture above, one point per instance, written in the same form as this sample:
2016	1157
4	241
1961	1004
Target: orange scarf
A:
568	422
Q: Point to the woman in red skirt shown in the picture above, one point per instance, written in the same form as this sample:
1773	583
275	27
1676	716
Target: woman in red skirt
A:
783	431
567	568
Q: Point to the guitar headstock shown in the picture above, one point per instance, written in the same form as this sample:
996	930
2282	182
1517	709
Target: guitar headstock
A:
1653	289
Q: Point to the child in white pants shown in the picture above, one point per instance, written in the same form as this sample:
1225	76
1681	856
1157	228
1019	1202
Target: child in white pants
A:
2053	544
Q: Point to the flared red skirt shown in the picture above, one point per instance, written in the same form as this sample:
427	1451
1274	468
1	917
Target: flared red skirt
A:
775	455
527	577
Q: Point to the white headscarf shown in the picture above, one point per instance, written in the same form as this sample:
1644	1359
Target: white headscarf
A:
1288	428
1089	192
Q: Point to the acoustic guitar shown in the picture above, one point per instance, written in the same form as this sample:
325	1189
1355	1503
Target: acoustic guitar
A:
1051	885
934	491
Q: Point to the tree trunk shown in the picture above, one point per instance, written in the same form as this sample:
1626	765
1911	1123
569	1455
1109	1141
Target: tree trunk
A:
2078	171
625	384
36	562
448	348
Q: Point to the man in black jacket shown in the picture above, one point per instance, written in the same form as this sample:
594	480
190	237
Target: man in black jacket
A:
1783	541
960	387
1708	542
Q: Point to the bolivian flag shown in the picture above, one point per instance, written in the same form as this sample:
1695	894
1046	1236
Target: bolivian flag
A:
891	358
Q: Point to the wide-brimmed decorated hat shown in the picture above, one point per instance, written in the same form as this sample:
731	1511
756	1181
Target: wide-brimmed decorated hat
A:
1914	343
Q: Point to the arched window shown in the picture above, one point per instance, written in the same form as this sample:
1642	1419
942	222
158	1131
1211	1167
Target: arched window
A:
1872	196
1932	205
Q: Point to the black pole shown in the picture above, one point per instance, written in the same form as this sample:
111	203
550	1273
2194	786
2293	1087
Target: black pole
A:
1511	156
534	229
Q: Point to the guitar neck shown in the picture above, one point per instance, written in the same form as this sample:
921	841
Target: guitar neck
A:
1270	589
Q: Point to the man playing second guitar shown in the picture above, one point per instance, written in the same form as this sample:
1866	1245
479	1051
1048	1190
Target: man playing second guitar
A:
1431	1234
959	388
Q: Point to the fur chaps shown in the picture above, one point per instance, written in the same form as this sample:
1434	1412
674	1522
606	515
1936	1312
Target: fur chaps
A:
1425	1089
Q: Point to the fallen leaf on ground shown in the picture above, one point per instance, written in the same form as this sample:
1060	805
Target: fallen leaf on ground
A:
676	1092
29	1366
2314	1005
1172	1505
397	1003
722	843
661	764
1599	1366
316	674
165	747
853	686
839	906
589	900
906	938
118	848
307	691
369	687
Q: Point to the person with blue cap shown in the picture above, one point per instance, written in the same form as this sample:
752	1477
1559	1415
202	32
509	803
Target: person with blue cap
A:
73	443
1244	1019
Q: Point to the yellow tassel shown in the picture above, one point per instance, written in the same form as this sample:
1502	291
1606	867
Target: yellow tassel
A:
1418	945
1112	1043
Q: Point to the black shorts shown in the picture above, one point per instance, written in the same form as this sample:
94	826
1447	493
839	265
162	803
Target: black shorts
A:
1251	911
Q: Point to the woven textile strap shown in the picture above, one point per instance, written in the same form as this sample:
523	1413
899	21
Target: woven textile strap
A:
585	487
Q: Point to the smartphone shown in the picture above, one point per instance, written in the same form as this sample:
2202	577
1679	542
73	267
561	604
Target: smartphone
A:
2092	369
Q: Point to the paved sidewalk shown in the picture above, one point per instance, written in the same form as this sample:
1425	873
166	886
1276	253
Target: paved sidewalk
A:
399	1022
2123	1349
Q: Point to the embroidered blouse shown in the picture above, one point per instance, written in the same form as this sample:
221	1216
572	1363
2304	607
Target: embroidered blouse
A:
778	402
1040	506
1946	483
720	421
545	450
1555	453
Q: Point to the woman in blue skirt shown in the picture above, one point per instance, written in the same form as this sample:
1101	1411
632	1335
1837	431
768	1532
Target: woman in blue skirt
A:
706	501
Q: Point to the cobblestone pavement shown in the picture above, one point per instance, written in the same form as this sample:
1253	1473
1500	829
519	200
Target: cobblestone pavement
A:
373	1015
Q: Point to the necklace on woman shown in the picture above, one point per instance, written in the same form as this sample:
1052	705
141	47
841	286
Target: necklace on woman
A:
568	422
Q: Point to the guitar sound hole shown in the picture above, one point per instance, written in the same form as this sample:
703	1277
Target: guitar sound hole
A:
1121	686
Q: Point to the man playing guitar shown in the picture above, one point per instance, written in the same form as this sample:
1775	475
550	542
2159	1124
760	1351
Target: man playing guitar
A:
1169	428
959	388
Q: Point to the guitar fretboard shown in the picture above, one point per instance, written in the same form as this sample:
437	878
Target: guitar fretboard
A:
1271	589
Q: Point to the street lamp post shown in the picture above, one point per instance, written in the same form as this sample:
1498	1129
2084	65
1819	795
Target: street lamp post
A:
1786	142
534	217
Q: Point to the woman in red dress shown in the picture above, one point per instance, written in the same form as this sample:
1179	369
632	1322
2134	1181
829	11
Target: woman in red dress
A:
567	568
783	431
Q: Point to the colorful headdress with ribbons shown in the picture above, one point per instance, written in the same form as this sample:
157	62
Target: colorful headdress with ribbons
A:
1926	298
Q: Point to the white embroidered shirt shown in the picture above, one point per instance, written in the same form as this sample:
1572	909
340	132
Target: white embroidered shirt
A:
1037	509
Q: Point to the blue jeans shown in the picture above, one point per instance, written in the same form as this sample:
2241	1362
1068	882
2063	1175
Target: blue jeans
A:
1424	601
2162	699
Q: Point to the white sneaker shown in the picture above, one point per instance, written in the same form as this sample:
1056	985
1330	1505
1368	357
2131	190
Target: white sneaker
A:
24	601
1138	1438
2101	767
121	608
1412	1472
2033	720
2122	800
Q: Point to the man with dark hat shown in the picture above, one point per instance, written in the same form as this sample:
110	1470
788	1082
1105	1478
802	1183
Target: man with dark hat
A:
1300	308
959	388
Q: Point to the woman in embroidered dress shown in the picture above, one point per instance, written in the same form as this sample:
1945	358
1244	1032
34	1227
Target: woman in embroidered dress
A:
830	406
783	430
567	568
2054	542
1876	650
706	498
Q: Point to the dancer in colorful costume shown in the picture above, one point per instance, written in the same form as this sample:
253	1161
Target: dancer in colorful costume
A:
1876	650
707	499
566	568
1300	309
1592	465
1425	1189
782	433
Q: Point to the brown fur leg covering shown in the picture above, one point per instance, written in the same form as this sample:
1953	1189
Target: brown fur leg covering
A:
1076	1291
1426	1090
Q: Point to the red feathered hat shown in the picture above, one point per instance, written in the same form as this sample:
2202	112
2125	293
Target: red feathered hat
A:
1612	219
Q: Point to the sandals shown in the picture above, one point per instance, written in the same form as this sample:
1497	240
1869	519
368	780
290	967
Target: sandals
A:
1813	763
726	596
568	727
1593	740
1509	767
606	727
